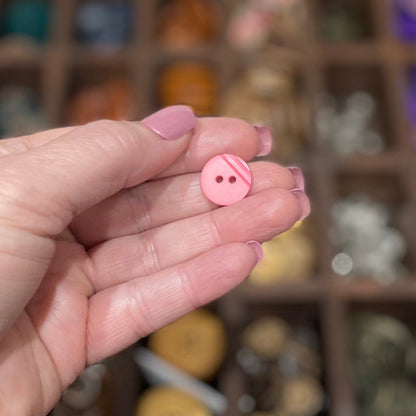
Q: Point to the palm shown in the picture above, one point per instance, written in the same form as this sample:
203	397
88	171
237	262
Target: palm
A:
48	341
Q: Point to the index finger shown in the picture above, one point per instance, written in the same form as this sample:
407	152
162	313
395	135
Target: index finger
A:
217	135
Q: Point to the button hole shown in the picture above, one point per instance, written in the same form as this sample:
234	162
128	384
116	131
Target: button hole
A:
232	179
219	179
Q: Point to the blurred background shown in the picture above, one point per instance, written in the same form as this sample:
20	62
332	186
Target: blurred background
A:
325	324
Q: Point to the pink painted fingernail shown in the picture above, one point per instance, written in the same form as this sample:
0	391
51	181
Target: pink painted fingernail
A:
256	246
171	123
265	139
298	175
303	200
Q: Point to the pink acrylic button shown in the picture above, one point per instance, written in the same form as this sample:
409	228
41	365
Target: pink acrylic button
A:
225	179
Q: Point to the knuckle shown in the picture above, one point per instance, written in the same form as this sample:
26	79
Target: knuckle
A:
214	228
15	145
114	137
110	129
102	125
150	253
139	313
140	208
190	294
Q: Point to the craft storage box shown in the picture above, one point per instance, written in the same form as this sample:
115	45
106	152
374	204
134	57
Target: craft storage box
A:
377	62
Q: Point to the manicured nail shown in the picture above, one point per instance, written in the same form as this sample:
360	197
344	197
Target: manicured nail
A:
303	200
298	175
265	139
171	123
256	246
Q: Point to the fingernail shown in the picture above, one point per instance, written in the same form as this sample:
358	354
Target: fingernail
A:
256	246
265	139
171	123
298	175
303	202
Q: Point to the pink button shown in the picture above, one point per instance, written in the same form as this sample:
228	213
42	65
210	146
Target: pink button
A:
225	179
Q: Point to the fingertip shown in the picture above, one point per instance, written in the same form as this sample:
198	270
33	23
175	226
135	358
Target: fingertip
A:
298	177
268	175
230	135
257	249
303	202
265	139
235	260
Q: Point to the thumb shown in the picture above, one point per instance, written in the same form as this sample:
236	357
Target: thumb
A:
42	189
88	164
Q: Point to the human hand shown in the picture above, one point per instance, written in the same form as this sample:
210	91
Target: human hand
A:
105	237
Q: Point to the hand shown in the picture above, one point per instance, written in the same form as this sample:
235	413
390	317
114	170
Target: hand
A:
105	236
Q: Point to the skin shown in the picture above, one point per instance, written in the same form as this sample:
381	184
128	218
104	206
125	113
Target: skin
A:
105	237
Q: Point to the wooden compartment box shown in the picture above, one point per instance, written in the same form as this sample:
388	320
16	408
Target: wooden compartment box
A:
378	62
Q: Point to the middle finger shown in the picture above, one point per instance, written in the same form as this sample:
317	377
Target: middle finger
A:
160	202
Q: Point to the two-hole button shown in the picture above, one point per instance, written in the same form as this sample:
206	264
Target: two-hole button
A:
226	179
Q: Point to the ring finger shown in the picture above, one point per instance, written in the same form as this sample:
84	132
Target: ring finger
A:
125	258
